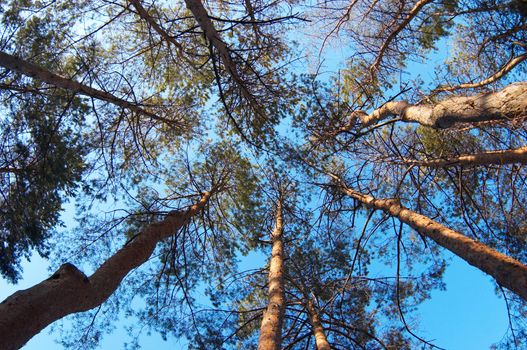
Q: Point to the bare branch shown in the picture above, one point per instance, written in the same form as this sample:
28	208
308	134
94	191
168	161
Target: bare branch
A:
413	12
513	62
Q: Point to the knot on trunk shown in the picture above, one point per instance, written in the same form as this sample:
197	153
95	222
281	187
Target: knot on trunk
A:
69	271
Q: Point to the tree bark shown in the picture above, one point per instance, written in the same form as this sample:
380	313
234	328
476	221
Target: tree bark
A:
409	17
507	271
318	331
518	155
68	290
23	67
271	328
508	103
202	18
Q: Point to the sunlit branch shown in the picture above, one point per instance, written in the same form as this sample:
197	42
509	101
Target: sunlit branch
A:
518	155
507	104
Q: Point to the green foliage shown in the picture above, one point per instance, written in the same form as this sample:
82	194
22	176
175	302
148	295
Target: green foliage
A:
42	149
251	132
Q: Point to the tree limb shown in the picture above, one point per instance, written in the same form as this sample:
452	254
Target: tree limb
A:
68	290
513	62
21	66
518	155
508	272
508	103
411	15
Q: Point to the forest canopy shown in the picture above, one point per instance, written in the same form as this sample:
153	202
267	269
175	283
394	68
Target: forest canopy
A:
343	145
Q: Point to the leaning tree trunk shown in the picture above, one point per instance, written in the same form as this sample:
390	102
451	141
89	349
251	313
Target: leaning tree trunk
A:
507	271
318	331
31	70
68	290
507	104
271	328
509	156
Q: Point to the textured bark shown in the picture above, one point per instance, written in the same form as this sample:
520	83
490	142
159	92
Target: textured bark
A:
518	155
321	340
507	271
68	290
271	328
509	103
19	65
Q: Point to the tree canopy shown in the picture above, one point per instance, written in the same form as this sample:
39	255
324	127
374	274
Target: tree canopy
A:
344	144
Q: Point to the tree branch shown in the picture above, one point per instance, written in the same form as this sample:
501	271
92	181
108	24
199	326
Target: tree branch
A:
21	66
67	291
508	103
508	272
513	62
518	155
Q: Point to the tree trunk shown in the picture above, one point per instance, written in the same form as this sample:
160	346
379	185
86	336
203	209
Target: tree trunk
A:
23	67
518	155
202	18
509	103
68	290
318	331
507	271
143	13
271	328
387	42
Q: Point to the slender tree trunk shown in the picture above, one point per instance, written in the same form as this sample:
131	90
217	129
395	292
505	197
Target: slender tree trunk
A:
271	328
508	103
68	290
518	155
202	18
19	65
382	50
507	271
318	331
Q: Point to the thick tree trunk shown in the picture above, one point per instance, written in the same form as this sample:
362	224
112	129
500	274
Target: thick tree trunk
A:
318	331
271	328
510	156
508	103
23	67
507	271
67	291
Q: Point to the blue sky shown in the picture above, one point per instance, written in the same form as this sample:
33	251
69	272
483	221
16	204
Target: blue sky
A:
468	315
